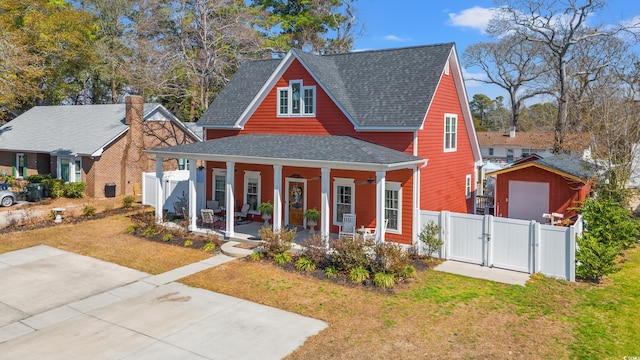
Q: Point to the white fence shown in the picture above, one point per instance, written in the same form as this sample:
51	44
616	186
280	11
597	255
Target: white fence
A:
511	244
176	185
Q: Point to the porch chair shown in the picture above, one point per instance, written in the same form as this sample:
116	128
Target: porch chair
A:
242	214
373	234
208	218
214	205
348	227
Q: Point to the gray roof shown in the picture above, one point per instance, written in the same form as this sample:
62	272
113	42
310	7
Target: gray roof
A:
66	130
381	88
570	164
341	151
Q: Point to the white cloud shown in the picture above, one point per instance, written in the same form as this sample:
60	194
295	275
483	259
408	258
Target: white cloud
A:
476	18
473	83
395	38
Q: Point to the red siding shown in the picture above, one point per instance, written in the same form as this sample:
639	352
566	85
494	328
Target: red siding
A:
564	194
443	179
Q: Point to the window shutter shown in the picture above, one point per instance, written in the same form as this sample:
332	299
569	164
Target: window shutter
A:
13	166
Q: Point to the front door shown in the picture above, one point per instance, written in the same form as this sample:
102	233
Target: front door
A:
296	198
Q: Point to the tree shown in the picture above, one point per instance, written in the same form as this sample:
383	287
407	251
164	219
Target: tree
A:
557	26
308	24
514	65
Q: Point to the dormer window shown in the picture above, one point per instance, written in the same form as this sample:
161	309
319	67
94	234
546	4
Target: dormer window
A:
297	99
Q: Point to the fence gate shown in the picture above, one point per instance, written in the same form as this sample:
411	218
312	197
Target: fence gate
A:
467	238
511	247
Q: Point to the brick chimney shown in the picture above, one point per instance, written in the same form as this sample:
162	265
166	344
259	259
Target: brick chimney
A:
133	158
134	105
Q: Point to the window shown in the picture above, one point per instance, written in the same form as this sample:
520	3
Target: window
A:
393	206
21	166
509	155
490	151
70	169
252	189
183	164
78	172
450	132
297	99
343	198
219	186
64	170
467	186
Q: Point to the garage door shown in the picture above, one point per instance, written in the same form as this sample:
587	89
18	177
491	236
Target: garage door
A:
528	200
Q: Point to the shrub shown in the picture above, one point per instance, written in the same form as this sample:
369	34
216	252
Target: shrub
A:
188	243
131	229
595	259
358	274
149	231
74	190
331	271
430	237
89	210
167	237
409	272
127	201
276	242
384	279
55	187
210	246
38	178
350	253
305	264
265	208
314	249
282	258
391	257
256	256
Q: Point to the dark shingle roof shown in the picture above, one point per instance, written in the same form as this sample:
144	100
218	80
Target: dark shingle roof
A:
381	88
570	164
335	149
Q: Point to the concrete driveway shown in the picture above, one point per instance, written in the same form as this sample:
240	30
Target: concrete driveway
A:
59	305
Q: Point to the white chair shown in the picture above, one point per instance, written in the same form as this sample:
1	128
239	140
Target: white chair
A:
348	227
373	234
242	214
214	205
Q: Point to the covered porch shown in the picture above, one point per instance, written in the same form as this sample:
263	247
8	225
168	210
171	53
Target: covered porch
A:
335	174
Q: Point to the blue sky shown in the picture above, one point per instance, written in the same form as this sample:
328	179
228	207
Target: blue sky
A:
401	23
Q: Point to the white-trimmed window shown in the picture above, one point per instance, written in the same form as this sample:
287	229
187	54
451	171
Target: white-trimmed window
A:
21	166
219	186
78	170
450	132
69	169
467	186
252	189
393	206
344	191
297	99
183	164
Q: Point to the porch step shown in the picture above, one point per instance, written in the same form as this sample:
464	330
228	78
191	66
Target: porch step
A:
230	248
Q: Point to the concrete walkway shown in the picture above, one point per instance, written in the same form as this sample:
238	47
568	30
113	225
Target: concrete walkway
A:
60	305
483	272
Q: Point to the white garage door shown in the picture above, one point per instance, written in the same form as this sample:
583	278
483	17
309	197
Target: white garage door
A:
528	200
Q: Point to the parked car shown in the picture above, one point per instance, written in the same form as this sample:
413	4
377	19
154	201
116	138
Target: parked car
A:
7	198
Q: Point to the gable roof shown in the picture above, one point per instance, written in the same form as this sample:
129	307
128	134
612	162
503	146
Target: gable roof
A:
533	139
72	129
390	88
337	152
565	165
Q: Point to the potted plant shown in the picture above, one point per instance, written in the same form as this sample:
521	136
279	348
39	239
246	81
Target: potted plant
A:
266	209
312	216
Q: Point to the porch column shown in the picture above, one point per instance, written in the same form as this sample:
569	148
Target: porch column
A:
325	179
193	201
415	224
277	197
380	186
230	199
159	190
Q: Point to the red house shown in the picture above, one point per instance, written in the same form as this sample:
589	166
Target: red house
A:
380	134
555	184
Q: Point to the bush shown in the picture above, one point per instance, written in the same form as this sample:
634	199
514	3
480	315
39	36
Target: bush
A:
595	259
430	237
305	264
278	242
131	229
282	258
127	201
331	271
314	249
55	187
208	247
392	258
350	253
256	256
409	272
384	279
358	274
38	178
74	190
167	237
149	231
188	243
89	210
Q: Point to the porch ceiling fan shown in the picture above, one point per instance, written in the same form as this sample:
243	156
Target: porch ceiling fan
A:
370	180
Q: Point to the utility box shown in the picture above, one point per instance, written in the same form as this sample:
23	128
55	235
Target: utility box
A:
110	190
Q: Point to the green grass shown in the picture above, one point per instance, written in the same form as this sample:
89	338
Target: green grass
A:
608	318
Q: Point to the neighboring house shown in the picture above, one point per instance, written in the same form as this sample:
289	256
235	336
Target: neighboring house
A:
555	184
380	134
95	144
509	147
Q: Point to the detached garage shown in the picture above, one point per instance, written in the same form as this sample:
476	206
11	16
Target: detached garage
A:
557	184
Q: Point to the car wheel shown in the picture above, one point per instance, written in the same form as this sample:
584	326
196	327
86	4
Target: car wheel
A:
7	201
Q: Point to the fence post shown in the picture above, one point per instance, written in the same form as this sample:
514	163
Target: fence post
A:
444	233
487	244
534	243
571	261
